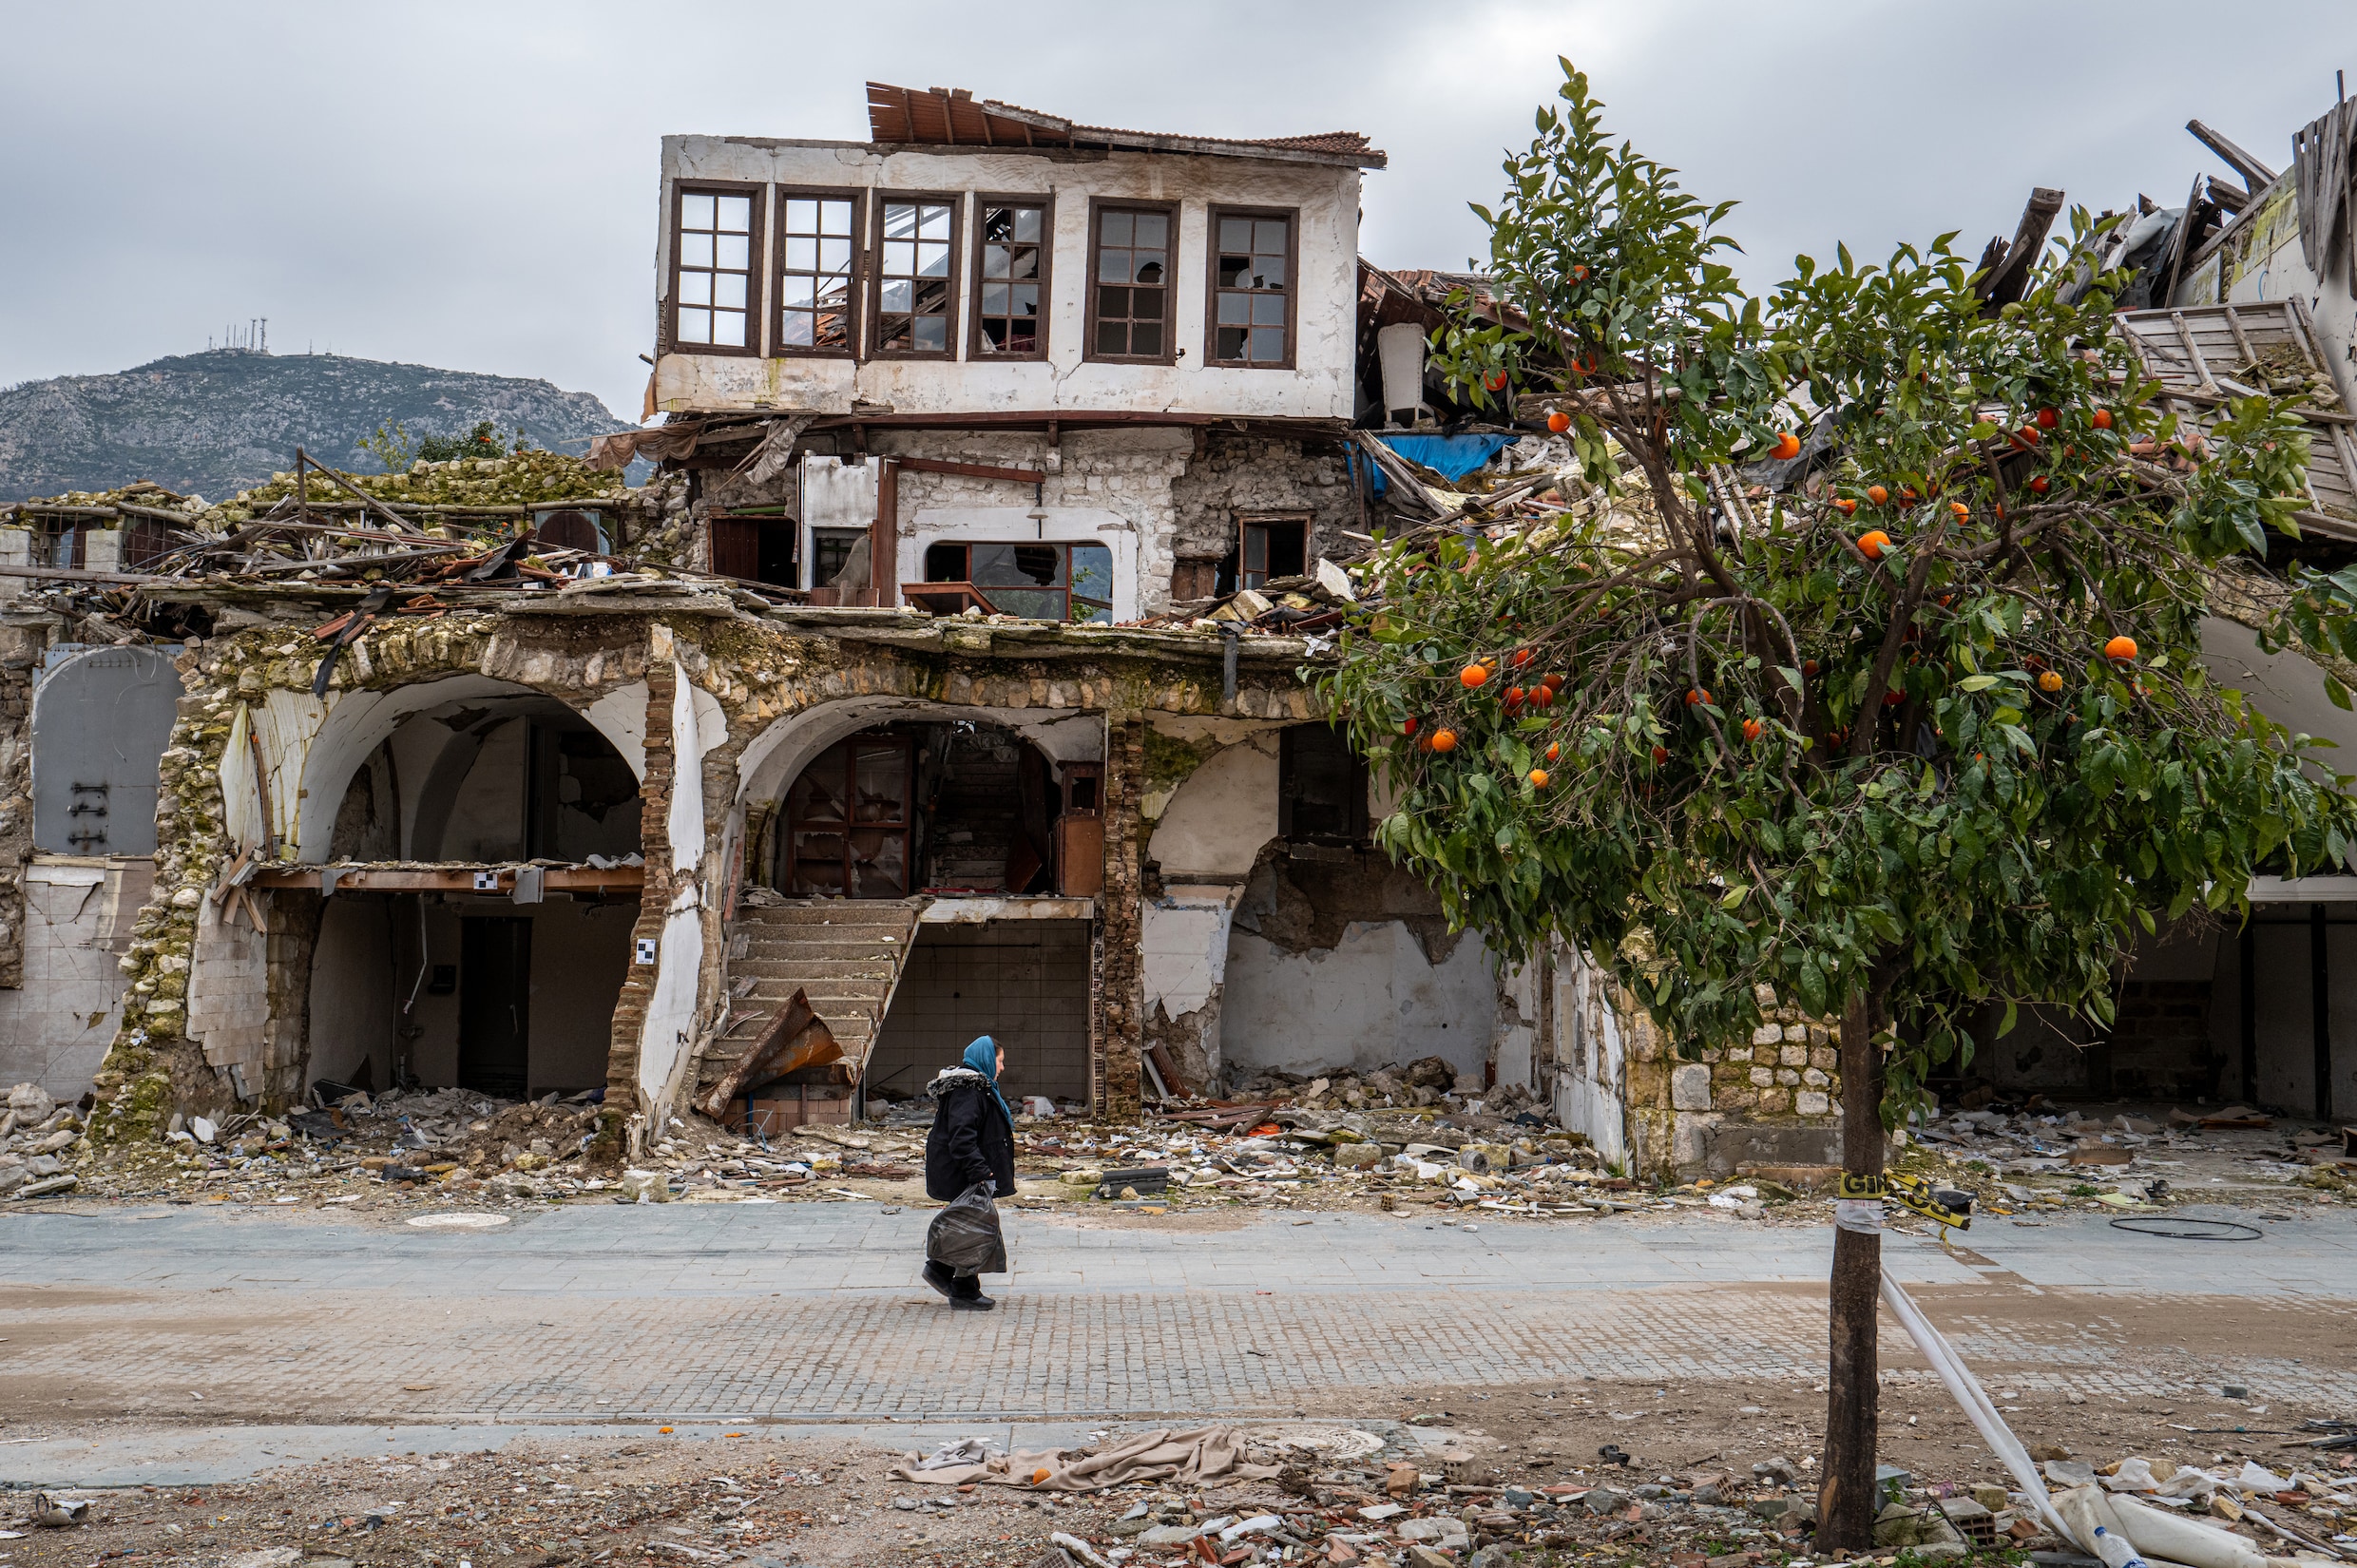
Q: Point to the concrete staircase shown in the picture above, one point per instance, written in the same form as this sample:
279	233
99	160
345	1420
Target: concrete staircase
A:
845	954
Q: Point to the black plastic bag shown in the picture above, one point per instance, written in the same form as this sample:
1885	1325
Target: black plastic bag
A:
965	1235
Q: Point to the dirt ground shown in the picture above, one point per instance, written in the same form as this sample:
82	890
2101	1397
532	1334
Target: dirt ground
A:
647	1496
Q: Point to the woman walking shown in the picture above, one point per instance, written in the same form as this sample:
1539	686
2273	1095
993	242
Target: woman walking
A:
972	1144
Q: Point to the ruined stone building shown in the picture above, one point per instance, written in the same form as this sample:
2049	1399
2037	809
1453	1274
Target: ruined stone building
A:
885	718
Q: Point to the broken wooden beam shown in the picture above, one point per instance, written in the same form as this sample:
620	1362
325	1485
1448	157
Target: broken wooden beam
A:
2255	174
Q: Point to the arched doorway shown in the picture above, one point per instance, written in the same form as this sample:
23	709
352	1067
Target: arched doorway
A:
418	975
953	807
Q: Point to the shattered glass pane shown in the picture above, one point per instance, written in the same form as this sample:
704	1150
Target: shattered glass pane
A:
1092	571
1232	271
1026	298
1027	223
1230	342
1149	266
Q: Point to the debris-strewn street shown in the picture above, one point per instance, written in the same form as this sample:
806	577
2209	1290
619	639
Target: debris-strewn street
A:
266	1338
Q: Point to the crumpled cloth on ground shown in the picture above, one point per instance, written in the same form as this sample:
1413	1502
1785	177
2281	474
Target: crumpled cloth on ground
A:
965	1451
1191	1458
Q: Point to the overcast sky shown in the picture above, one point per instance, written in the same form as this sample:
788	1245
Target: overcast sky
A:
473	185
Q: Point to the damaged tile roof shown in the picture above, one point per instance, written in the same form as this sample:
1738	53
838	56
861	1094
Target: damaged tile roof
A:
953	117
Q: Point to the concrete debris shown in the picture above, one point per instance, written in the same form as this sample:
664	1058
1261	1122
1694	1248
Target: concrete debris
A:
2033	1157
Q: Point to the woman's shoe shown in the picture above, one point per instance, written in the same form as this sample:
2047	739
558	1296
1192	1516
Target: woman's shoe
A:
975	1303
940	1278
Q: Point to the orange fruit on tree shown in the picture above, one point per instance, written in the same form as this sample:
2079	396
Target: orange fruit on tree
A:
1660	754
2047	419
1554	750
1538	778
1473	676
2038	484
1892	699
1553	681
1542	696
1808	666
1754	729
2102	419
1845	507
1497	382
1444	741
2050	683
1521	657
1872	542
2121	650
1787	447
1877	494
1960	509
1698	697
1558	421
1408	726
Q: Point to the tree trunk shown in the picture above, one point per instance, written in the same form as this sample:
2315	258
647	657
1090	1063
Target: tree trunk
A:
1845	1499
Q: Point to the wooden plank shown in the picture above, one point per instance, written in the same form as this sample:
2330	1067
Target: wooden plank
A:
2193	350
427	879
2242	339
973	471
2255	174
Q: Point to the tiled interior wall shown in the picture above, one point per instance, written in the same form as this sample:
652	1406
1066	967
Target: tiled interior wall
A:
1023	982
55	1030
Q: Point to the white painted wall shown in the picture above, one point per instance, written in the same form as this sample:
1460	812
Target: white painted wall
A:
1022	525
1321	386
1221	813
1591	1078
669	1028
1372	1000
54	1031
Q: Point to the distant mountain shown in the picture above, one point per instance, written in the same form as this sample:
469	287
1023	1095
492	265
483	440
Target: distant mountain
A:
215	423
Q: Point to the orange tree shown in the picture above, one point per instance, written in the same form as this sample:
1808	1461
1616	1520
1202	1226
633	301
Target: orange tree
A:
1921	737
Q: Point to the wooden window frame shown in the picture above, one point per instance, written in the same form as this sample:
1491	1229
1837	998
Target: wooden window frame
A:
1045	202
1098	208
1306	522
1212	290
905	828
757	281
982	590
775	280
1360	824
873	286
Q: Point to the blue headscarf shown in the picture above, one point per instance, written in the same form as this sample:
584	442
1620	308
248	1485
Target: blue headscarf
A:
983	1056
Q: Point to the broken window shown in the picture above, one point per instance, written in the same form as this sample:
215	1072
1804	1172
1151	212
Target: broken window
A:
712	269
1266	547
1321	787
1251	292
817	259
1129	292
847	821
1037	580
1011	288
760	550
915	275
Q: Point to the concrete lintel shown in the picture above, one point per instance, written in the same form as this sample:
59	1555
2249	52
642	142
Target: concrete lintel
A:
2304	889
981	911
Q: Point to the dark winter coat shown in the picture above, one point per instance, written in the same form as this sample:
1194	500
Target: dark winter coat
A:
972	1140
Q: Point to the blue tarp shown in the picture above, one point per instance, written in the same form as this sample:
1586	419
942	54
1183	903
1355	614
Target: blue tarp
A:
1451	456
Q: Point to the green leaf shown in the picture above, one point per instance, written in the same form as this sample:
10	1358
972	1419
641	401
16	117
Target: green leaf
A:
1976	683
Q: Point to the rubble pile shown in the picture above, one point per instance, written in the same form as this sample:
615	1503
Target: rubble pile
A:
37	1137
2035	1158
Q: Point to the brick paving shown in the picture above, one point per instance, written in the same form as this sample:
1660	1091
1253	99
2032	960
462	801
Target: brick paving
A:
807	1312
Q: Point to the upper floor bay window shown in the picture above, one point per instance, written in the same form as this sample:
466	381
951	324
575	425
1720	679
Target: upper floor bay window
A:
1251	292
1129	316
712	269
1010	283
817	266
915	275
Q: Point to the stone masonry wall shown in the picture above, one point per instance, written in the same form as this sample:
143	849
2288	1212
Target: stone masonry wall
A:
23	640
1247	473
1772	1099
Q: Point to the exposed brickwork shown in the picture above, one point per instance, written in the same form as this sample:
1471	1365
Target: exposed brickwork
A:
637	987
1120	975
22	642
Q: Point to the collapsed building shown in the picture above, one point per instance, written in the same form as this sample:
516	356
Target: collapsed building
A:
950	677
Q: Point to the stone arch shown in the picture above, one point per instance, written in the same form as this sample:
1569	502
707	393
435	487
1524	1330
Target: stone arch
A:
352	727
